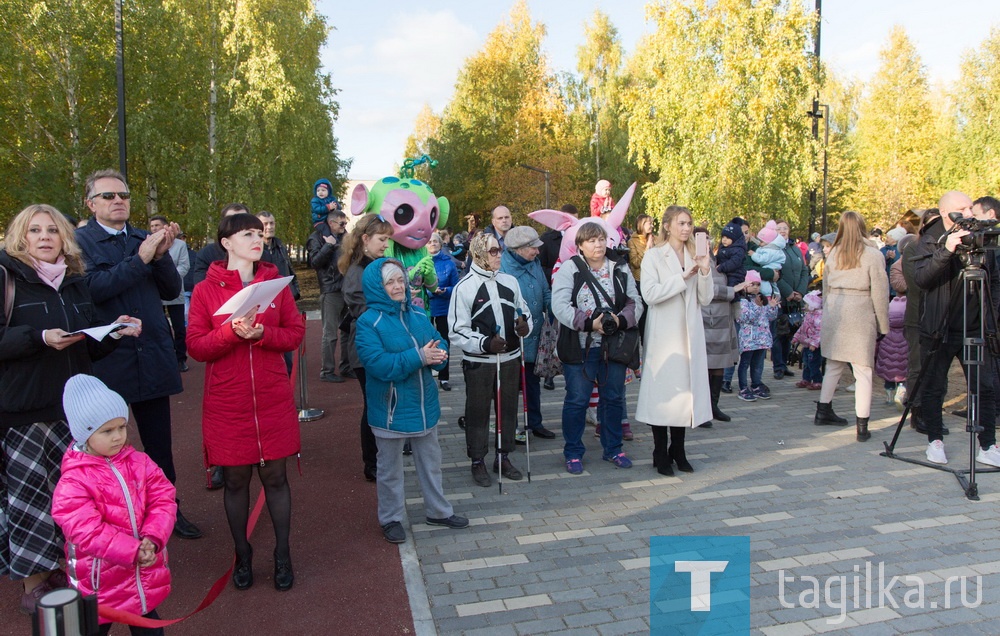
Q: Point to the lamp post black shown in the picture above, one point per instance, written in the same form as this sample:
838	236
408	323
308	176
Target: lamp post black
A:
120	71
547	180
815	114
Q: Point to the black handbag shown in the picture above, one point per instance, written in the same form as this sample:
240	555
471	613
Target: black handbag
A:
623	345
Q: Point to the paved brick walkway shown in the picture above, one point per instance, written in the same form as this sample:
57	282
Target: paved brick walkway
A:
570	555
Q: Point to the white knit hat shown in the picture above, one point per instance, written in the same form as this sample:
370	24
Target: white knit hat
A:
89	405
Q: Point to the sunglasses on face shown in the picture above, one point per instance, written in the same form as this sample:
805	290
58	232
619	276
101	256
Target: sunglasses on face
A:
110	196
493	251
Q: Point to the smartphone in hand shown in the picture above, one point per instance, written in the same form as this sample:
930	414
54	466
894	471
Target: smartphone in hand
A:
700	244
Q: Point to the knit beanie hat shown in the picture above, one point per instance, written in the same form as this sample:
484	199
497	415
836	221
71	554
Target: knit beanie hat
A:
896	233
89	405
753	276
733	231
768	232
814	300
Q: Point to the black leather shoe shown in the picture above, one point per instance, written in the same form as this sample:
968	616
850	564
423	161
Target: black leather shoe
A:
393	532
789	374
543	432
407	449
184	368
549	384
283	576
349	374
371	473
243	572
216	480
184	529
480	476
445	385
509	472
461	422
331	377
454	522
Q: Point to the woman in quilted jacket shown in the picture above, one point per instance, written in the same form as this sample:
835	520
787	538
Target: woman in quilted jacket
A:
115	506
892	353
248	414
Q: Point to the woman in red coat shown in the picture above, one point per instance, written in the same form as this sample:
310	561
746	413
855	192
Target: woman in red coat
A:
248	413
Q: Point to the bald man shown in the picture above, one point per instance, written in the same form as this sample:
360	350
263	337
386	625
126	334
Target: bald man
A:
943	323
500	224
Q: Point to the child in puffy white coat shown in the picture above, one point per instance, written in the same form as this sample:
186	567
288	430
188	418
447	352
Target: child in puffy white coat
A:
807	337
114	505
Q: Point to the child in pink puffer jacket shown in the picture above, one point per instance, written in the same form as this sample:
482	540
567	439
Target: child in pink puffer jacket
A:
807	337
115	506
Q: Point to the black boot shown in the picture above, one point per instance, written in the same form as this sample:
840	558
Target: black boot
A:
284	578
243	571
677	449
715	386
661	454
184	528
862	426
826	417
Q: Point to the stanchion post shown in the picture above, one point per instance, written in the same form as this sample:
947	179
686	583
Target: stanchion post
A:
306	414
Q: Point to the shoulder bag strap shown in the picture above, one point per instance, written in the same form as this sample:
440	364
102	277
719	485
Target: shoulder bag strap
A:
8	295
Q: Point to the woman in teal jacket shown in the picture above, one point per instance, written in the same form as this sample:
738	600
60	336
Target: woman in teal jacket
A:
398	347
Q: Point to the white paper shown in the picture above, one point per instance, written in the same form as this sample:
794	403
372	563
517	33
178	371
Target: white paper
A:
99	333
258	295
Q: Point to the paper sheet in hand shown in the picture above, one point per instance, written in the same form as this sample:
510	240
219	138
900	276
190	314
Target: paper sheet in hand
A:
258	295
100	333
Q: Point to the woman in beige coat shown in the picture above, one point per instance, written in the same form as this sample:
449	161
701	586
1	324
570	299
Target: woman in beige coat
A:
674	394
855	312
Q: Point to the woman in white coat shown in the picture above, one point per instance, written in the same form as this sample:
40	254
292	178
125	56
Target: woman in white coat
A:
674	394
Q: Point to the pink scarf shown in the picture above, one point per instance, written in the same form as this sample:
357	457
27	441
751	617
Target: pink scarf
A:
52	274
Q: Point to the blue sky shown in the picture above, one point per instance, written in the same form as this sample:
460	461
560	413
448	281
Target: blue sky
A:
389	58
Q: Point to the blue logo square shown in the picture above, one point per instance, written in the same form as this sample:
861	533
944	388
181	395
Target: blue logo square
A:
699	586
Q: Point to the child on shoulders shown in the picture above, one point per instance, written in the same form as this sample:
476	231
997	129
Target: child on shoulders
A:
732	252
114	505
770	253
322	204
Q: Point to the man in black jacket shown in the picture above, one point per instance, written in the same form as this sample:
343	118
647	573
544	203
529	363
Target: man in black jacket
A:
130	272
276	253
324	252
946	314
213	251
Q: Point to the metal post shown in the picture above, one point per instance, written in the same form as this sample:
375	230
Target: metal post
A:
548	180
120	70
826	147
306	414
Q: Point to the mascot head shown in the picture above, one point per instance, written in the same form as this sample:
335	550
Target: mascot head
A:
569	224
406	203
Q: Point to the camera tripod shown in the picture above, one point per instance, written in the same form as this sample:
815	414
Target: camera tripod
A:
973	287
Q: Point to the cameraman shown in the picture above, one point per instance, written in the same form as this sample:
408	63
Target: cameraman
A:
937	269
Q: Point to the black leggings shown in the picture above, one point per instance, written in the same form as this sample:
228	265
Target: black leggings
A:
279	503
369	447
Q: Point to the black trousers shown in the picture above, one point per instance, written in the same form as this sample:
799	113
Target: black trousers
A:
369	445
152	418
176	314
480	393
935	385
441	323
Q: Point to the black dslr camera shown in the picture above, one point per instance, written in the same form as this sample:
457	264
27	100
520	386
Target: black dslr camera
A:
608	323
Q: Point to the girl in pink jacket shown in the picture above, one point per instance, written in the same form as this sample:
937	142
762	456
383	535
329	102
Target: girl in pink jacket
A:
114	505
808	338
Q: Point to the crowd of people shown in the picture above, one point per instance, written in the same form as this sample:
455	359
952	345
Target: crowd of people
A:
588	300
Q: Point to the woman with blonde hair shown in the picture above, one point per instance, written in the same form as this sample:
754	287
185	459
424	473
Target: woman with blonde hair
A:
37	356
855	312
674	394
366	243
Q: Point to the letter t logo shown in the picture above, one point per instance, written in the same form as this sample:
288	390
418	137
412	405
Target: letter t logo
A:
701	581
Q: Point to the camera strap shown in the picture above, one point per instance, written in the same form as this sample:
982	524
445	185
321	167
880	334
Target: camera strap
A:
593	283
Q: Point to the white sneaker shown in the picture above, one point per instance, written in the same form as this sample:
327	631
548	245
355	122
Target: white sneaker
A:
850	389
935	452
990	456
592	416
901	396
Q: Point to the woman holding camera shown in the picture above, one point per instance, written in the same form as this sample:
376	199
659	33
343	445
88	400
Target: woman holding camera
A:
855	313
587	313
674	394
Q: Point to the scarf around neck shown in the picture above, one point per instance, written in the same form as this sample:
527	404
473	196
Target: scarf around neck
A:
51	274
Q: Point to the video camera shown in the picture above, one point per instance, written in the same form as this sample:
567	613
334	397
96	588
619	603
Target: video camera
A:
983	233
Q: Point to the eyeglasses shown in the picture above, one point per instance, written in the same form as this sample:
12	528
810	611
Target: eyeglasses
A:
110	196
341	224
494	251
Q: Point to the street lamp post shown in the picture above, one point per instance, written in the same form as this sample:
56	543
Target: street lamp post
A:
548	180
120	71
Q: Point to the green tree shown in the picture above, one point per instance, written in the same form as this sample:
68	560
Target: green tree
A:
895	135
968	160
716	108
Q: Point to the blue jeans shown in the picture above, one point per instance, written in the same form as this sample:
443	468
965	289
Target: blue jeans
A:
580	378
753	360
727	375
812	364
